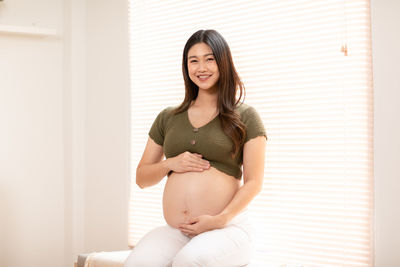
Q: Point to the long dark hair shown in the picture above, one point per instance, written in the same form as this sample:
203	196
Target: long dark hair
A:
228	85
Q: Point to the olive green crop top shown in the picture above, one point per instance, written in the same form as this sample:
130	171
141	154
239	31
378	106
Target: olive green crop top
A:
176	134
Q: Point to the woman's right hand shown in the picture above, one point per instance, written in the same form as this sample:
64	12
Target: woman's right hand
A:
188	162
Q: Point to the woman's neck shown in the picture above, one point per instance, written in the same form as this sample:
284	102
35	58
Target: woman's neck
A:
205	100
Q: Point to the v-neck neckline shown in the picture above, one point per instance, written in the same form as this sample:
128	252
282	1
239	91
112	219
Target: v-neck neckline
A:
188	120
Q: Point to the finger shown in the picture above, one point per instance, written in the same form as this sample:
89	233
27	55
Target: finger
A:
197	165
205	163
189	235
199	159
187	227
194	220
185	232
200	162
201	167
195	169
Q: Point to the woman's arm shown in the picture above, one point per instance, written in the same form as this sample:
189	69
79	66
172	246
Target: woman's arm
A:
253	176
151	168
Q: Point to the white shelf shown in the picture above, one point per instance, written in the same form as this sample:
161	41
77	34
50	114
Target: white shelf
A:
27	30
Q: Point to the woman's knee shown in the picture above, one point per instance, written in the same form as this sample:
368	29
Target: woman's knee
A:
156	248
142	260
189	258
135	259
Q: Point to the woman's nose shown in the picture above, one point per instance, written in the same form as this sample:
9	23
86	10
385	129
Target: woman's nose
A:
202	66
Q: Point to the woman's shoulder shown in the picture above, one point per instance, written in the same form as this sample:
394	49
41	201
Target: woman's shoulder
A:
168	110
243	109
254	123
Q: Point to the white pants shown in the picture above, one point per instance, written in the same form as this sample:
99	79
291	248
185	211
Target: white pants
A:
166	246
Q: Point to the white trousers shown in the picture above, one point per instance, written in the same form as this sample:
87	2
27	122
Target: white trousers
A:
166	246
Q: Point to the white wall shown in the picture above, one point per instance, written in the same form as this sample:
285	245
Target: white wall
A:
31	137
386	66
64	139
97	125
74	69
108	126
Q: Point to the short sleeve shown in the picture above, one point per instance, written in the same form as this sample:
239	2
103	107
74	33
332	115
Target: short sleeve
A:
157	130
254	124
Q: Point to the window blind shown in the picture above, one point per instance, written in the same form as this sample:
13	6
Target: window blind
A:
306	66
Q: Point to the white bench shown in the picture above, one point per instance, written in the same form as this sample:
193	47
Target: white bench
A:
103	259
117	259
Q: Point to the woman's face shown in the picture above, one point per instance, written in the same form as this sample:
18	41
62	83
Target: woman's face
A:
202	67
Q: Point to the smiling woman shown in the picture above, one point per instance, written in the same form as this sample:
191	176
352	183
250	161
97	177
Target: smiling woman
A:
205	140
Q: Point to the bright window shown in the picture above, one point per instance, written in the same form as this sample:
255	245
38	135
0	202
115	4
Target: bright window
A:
306	66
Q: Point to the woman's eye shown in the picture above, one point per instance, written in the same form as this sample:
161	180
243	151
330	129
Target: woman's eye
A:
193	61
210	59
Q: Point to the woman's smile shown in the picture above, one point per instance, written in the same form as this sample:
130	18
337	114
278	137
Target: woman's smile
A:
203	78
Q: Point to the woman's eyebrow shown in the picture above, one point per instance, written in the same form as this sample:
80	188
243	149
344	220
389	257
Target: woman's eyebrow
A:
209	54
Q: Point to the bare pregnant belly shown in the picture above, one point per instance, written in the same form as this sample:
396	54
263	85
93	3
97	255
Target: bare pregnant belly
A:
190	194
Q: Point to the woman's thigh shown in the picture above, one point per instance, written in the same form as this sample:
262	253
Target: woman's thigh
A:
157	248
230	246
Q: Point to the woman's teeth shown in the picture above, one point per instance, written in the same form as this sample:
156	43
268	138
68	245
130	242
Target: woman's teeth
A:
204	77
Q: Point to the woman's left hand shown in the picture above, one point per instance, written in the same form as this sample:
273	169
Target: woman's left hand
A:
201	224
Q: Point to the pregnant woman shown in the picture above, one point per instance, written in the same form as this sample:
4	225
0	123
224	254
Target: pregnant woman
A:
205	140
